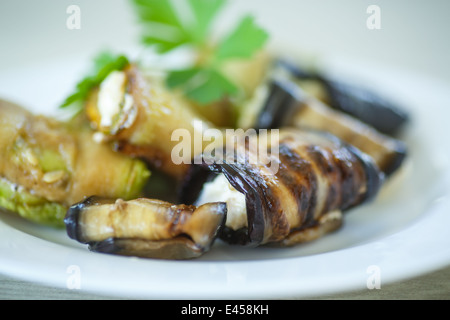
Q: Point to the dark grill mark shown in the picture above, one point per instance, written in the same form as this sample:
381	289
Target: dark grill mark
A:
298	175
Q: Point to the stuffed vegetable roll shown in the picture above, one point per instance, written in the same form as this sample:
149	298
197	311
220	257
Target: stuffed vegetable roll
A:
47	165
353	99
285	104
145	228
139	116
318	177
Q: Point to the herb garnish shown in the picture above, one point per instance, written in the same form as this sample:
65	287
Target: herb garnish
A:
103	64
165	28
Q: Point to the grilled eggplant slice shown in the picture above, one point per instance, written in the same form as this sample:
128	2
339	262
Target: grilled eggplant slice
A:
46	166
140	121
354	100
286	104
145	228
318	177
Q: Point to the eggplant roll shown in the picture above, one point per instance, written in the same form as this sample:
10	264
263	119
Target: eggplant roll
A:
145	228
286	104
318	178
354	100
139	115
47	165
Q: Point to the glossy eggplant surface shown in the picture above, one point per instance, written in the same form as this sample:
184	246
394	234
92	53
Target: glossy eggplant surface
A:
145	227
318	177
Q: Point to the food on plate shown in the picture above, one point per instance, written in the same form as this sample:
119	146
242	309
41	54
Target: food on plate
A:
318	178
145	227
131	104
327	146
139	115
331	156
284	103
354	99
47	165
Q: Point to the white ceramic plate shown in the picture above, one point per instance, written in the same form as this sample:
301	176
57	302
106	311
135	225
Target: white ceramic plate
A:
403	234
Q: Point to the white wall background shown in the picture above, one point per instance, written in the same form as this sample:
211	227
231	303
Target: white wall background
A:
414	34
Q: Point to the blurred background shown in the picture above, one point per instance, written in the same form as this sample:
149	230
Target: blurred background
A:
413	34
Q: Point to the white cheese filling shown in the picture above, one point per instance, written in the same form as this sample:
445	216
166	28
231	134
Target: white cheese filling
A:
220	190
110	97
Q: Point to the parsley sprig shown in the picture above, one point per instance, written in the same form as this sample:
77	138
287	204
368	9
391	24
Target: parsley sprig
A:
168	25
103	64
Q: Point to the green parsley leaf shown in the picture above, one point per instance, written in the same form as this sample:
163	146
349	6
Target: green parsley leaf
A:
103	65
202	85
157	11
204	12
181	77
166	29
243	42
162	27
212	86
170	24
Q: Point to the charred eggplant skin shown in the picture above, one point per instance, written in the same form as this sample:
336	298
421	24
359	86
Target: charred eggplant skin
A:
279	107
72	218
145	228
287	101
366	106
313	179
241	179
357	101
